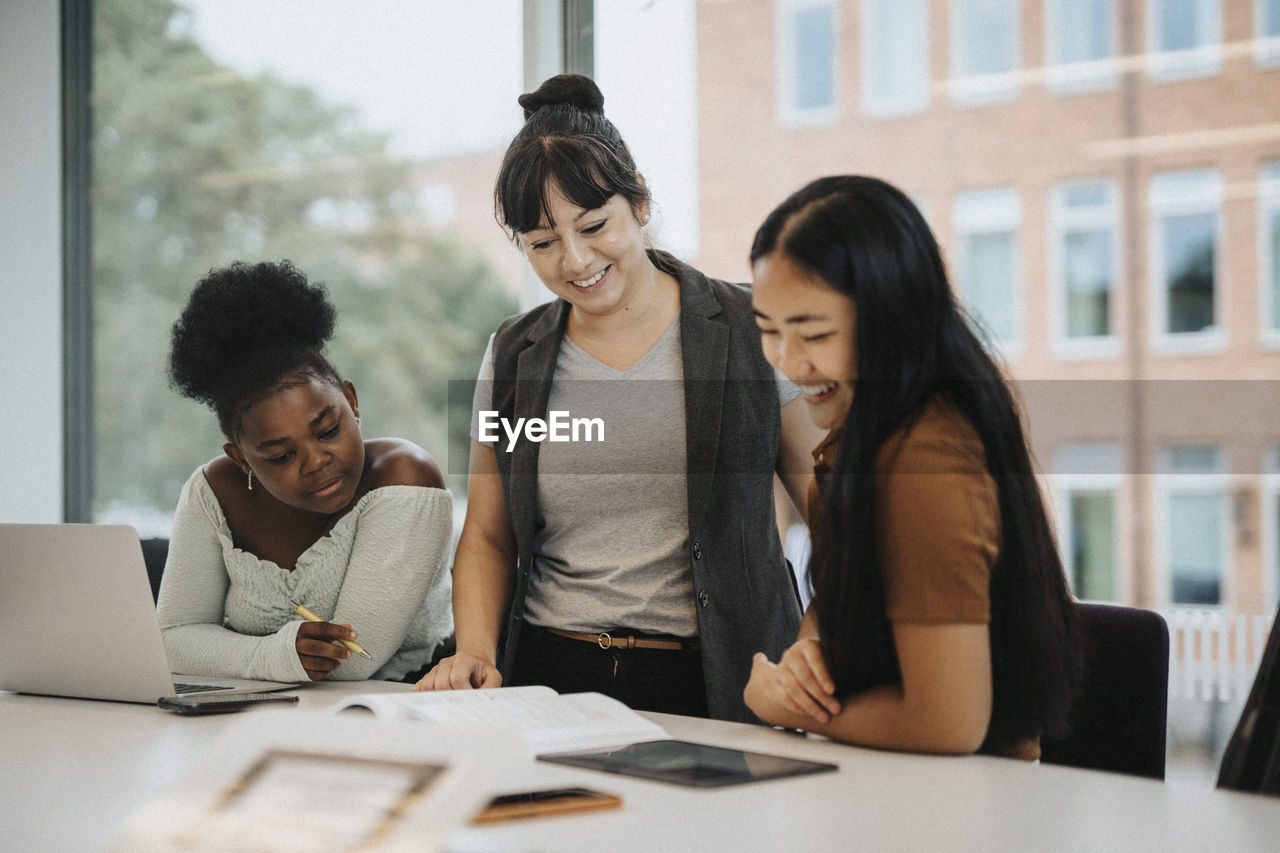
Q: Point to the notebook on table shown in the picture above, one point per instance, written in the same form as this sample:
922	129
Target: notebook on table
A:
77	618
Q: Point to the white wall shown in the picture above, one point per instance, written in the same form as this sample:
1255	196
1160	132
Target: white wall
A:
31	432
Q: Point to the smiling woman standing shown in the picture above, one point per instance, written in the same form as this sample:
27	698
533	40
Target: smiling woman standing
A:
300	507
646	566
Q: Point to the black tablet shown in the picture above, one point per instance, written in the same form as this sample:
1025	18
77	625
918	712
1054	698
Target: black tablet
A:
685	763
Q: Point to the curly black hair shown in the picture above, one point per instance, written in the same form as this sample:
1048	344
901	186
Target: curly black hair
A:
247	330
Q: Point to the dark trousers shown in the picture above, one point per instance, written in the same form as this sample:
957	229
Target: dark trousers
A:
668	681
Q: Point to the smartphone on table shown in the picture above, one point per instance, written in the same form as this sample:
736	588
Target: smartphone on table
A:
222	703
552	801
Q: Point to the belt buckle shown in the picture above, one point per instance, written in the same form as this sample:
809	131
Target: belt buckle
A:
604	641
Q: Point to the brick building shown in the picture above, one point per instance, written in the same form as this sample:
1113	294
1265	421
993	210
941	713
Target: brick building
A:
1104	178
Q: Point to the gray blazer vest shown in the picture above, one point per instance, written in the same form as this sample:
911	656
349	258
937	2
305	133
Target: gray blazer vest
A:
746	594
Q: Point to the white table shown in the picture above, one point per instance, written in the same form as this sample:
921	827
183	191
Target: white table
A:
72	771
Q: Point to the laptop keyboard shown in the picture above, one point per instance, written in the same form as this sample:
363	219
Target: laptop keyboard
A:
179	689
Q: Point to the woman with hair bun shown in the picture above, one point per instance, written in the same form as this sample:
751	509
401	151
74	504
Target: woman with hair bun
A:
645	565
300	507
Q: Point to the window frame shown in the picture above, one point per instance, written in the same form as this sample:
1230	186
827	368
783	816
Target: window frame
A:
876	105
1168	484
1104	472
1268	291
1062	220
977	90
1168	195
1266	47
789	115
1003	213
1270	498
1203	60
1071	77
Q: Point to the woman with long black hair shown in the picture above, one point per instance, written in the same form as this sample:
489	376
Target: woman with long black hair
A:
941	619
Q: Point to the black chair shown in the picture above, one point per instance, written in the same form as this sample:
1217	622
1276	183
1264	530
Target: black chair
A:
1251	761
1121	712
154	553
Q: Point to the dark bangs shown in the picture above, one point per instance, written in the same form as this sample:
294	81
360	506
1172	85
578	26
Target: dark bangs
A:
588	170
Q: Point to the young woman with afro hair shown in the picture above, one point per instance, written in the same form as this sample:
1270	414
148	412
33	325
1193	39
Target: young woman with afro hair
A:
300	507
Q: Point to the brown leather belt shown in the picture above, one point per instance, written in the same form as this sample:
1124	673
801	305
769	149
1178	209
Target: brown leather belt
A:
605	640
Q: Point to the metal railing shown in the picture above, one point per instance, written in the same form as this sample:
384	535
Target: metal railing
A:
1213	654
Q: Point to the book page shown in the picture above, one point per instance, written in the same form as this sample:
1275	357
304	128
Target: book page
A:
538	716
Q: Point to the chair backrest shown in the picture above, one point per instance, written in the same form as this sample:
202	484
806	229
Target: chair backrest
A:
1251	761
1121	712
154	553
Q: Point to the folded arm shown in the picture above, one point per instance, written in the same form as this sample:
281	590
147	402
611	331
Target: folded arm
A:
942	705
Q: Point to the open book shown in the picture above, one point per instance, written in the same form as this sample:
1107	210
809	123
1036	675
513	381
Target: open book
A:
537	717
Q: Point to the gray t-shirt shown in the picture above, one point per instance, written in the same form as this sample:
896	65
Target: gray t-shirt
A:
611	550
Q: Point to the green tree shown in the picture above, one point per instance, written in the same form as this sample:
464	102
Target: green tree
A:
195	166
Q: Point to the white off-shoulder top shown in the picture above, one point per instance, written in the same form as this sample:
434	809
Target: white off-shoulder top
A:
383	569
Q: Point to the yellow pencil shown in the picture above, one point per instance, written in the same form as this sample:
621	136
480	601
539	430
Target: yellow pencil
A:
311	616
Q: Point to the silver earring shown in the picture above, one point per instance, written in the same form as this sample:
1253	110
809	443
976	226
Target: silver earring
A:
251	479
357	420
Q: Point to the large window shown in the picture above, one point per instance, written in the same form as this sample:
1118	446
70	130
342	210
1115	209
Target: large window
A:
1087	480
986	225
1184	38
1194	524
235	130
894	38
984	50
1185	231
1084	267
1269	254
808	61
1080	42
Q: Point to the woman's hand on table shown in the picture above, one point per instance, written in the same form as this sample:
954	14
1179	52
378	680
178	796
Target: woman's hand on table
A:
460	672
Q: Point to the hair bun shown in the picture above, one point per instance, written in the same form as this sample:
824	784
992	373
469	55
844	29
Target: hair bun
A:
571	89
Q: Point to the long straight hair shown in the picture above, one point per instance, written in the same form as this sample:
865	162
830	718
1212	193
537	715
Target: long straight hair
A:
913	344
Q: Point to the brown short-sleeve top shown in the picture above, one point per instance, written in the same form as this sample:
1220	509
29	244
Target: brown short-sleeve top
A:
940	526
940	519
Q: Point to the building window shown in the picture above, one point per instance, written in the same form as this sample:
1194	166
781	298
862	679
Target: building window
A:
987	269
1184	38
1269	253
808	60
1185	229
1086	480
1266	27
1271	529
984	50
894	39
1084	267
1079	44
1194	533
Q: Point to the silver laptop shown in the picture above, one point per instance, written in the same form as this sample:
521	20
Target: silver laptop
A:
77	618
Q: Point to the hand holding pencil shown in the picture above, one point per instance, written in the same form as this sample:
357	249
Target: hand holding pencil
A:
315	643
